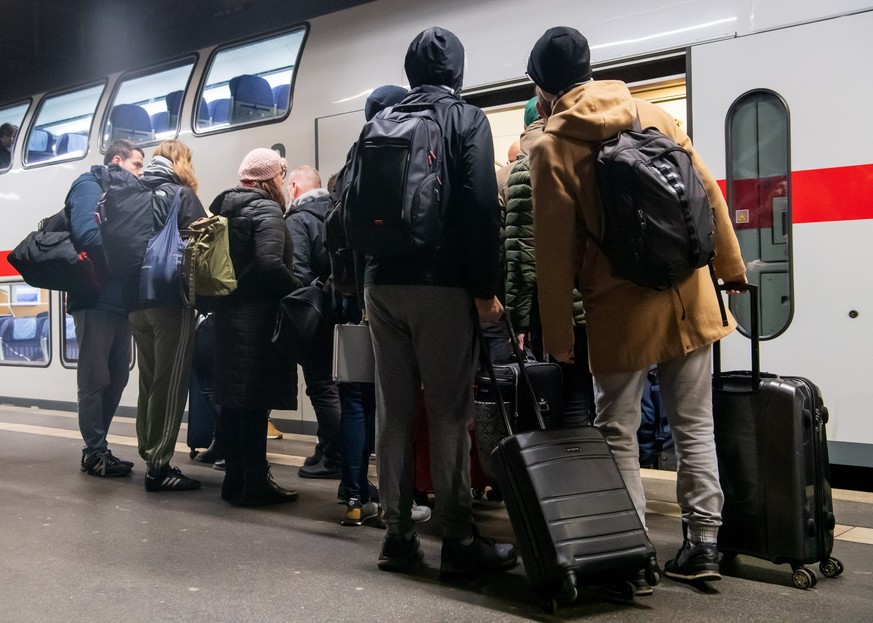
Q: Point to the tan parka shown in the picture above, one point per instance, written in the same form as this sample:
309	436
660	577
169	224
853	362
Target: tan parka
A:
629	327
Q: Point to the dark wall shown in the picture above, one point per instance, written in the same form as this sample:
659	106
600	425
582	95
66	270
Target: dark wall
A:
45	44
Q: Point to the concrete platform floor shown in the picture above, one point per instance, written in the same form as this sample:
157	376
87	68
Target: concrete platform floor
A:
79	548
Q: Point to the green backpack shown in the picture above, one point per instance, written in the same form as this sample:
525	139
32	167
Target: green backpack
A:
208	247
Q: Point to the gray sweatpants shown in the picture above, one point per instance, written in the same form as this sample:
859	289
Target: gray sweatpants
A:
686	387
423	340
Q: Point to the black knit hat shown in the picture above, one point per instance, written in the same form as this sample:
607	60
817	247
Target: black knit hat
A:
381	98
559	60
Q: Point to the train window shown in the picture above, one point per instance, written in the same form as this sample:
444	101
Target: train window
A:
62	126
24	325
759	199
147	107
10	120
250	83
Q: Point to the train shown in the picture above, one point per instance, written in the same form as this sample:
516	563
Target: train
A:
772	93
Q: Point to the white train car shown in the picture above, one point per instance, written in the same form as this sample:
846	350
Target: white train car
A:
773	93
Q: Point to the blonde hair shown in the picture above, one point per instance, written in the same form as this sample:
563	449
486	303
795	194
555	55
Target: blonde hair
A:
179	154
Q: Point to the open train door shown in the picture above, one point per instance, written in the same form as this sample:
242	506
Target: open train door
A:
783	118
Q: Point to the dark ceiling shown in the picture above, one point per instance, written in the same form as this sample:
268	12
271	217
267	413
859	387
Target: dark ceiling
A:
46	44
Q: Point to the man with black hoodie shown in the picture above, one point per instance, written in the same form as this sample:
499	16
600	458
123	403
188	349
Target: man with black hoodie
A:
421	310
101	324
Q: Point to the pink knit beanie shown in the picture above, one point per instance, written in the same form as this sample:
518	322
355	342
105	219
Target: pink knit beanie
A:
261	164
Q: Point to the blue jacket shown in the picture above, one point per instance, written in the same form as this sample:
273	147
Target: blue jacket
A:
115	295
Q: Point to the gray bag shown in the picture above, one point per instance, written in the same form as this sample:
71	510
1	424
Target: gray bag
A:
353	359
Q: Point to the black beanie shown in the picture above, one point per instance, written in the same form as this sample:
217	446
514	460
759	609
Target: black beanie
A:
559	60
381	98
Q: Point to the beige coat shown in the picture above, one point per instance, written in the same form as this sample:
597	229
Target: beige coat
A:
629	327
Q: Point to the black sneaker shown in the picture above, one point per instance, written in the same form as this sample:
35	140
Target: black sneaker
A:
398	553
122	461
695	562
102	463
169	479
480	555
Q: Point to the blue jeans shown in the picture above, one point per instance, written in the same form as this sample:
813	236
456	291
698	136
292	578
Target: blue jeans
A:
358	424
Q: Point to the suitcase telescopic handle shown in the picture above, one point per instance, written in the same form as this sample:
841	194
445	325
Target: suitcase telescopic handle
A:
754	334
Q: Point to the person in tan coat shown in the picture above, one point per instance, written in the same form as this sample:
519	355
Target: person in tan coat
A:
629	327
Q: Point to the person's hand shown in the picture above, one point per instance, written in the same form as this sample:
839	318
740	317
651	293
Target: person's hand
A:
738	279
489	310
520	339
565	357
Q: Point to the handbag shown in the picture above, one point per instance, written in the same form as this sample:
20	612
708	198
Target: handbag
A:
47	258
162	277
353	358
305	318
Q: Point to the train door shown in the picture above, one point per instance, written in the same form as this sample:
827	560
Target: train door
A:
781	117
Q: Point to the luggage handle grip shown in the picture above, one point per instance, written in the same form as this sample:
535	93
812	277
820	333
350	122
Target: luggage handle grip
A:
754	337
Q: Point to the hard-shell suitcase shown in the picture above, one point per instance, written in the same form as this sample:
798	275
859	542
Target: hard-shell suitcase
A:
573	518
773	466
353	358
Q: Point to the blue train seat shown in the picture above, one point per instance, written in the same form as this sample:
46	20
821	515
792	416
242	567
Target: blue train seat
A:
71	343
203	115
72	143
131	122
40	146
252	98
174	106
161	121
219	110
20	339
281	97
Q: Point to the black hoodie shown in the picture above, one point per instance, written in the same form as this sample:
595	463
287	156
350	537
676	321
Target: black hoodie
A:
468	256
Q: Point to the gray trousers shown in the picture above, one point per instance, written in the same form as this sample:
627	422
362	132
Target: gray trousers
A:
165	342
102	372
686	387
423	341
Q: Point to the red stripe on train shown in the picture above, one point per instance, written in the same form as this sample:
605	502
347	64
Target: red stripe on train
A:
6	269
818	196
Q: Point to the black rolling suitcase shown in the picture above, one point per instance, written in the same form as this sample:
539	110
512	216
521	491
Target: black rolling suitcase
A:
202	412
572	515
773	466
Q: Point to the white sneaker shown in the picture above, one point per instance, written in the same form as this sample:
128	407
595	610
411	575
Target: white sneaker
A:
420	514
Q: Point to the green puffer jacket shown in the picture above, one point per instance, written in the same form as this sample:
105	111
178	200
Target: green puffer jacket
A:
521	277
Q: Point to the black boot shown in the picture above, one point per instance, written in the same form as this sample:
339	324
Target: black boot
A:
212	454
263	492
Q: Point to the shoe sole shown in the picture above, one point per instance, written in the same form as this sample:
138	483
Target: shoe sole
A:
399	564
700	576
359	522
646	591
450	570
331	476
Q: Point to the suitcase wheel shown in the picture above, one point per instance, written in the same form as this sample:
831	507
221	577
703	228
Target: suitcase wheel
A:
804	578
830	567
653	573
627	590
569	592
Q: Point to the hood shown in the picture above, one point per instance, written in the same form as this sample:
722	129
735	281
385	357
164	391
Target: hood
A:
435	57
316	201
230	201
594	111
160	170
530	135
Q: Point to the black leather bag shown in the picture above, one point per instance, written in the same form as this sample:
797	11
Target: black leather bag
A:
305	317
46	258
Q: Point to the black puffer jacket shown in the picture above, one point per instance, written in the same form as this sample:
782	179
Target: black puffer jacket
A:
250	372
306	223
468	256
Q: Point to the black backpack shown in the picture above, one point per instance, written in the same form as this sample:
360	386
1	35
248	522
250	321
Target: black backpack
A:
126	219
658	225
395	202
